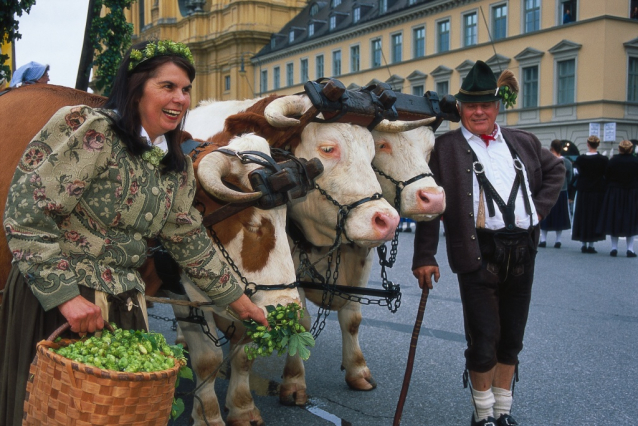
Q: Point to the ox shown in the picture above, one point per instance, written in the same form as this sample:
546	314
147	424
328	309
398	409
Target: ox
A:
254	238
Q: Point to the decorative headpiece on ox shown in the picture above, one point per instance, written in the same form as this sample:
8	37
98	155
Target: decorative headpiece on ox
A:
346	151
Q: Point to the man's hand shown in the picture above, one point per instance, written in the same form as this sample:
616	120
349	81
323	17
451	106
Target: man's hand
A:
84	316
424	275
245	309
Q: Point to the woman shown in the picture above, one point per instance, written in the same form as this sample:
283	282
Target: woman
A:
89	190
558	218
30	73
619	214
590	191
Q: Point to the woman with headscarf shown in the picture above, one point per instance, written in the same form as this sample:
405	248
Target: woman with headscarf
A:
590	191
619	214
30	73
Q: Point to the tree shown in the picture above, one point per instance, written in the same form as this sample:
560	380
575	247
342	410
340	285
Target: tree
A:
111	36
9	28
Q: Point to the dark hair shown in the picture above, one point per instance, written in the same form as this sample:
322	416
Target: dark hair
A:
126	94
556	146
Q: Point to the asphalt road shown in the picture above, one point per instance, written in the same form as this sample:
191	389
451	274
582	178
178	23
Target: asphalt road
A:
578	366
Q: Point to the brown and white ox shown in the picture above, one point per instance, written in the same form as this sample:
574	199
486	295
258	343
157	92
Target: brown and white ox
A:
254	238
399	153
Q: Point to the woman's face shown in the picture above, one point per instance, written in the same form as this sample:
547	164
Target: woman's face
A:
165	100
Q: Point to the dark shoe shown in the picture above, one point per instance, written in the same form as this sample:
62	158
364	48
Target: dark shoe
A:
506	420
557	245
631	254
590	249
613	253
490	421
583	249
542	244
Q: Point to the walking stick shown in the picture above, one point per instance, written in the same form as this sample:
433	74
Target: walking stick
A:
410	363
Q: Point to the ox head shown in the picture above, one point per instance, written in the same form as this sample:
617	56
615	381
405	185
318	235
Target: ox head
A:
403	154
255	239
346	151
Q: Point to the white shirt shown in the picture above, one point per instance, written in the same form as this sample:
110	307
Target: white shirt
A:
499	170
159	142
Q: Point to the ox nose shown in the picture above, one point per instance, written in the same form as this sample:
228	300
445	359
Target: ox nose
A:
384	224
431	200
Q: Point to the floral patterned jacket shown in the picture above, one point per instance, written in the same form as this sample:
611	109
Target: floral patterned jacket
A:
80	209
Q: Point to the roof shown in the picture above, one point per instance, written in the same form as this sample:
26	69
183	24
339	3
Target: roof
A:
318	14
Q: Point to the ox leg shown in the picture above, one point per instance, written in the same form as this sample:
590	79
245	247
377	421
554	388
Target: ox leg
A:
239	400
358	376
293	387
205	360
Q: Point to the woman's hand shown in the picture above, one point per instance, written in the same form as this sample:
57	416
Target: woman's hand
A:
84	316
245	309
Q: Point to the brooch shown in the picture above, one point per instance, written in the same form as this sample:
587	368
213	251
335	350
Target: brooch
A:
153	156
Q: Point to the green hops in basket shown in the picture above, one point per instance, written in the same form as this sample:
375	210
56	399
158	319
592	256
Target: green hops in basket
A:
285	335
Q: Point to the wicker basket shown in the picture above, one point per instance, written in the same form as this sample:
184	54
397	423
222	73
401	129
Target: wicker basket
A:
65	392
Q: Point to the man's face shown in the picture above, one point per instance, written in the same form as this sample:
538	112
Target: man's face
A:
479	117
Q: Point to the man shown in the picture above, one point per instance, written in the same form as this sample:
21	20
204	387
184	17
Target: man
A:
498	184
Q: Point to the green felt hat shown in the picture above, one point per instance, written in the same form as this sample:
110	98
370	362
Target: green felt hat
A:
479	85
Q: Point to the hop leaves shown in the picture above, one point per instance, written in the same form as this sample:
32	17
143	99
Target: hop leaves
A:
285	335
160	48
508	96
153	156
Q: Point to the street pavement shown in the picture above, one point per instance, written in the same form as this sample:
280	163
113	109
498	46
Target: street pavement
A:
578	366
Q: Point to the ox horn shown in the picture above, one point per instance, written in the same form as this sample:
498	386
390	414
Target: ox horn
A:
212	168
402	126
279	112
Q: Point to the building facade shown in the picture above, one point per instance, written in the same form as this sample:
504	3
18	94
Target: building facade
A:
222	34
573	70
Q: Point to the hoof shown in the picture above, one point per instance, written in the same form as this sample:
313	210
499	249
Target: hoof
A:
362	384
250	418
292	397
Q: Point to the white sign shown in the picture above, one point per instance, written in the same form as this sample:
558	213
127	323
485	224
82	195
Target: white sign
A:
610	132
594	129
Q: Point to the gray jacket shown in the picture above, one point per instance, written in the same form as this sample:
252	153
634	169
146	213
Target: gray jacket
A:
451	164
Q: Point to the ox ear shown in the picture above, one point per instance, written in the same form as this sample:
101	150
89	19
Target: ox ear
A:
246	122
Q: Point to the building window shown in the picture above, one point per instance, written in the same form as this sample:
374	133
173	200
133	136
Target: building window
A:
333	22
227	83
273	42
290	74
442	88
355	58
356	15
469	29
397	48
417	90
311	30
499	21
566	81
530	87
532	14
335	3
275	78
263	83
376	53
632	90
291	36
411	2
443	33
568	11
383	6
303	65
336	62
418	34
319	66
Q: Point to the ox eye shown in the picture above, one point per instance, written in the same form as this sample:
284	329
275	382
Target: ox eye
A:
328	149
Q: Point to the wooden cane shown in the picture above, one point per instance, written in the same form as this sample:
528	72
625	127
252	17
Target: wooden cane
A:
412	352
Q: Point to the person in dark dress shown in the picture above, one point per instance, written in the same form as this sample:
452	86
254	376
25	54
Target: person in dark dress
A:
619	214
590	192
558	218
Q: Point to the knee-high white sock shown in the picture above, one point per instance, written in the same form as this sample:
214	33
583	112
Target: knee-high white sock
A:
543	235
630	243
559	234
483	404
502	401
614	243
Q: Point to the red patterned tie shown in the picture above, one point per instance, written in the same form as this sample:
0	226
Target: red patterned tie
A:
488	138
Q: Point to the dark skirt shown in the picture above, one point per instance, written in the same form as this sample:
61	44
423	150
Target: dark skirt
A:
23	323
586	215
619	214
558	217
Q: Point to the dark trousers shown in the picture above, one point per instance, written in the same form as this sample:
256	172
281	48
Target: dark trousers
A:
496	302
